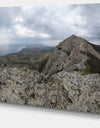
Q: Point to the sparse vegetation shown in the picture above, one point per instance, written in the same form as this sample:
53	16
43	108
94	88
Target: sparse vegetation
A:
32	58
94	64
87	69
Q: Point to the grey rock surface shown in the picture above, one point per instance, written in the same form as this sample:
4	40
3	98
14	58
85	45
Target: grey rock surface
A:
64	90
69	55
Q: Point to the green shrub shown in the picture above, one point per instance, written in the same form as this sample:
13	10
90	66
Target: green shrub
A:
87	70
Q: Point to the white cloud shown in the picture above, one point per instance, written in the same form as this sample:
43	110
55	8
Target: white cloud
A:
18	19
44	35
26	32
23	31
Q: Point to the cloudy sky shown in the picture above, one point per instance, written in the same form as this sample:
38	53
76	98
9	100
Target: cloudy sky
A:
49	24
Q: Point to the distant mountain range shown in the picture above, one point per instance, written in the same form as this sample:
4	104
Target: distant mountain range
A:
38	46
10	48
13	48
32	57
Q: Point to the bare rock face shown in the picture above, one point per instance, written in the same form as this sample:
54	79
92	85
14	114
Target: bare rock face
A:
83	91
64	90
70	55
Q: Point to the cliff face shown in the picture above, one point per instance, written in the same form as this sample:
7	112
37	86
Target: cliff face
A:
61	84
70	55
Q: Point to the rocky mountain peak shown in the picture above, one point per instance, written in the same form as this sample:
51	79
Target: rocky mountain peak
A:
70	55
73	42
73	36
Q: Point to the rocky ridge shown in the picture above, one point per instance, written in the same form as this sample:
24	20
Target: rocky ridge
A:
70	55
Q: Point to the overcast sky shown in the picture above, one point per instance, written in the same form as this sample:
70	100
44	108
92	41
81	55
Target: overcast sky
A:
49	24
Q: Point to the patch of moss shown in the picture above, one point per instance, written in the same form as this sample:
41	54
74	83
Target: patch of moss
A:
94	63
87	70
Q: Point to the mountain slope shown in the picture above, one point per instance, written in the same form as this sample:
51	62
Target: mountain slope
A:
73	54
31	57
96	47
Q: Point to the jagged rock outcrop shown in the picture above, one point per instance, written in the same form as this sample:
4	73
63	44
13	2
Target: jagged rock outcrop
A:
70	55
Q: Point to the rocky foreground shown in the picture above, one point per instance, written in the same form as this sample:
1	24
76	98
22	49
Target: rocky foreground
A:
63	90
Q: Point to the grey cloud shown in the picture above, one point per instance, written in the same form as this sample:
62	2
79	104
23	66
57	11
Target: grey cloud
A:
91	14
57	21
7	14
